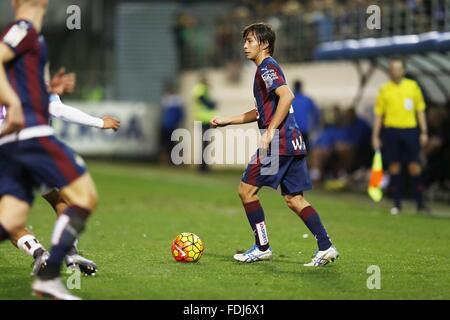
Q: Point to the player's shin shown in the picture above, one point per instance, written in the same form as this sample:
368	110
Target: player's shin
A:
255	216
416	182
312	220
67	229
3	233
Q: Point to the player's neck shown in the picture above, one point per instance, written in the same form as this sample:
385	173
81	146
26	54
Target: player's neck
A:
31	14
260	58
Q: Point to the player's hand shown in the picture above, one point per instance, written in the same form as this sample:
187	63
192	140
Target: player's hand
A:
111	123
216	122
62	82
266	139
376	143
423	139
14	122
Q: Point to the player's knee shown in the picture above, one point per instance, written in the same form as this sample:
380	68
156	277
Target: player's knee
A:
15	228
290	202
92	200
414	169
87	200
244	193
394	168
296	203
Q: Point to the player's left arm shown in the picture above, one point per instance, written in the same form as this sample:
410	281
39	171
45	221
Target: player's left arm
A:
284	104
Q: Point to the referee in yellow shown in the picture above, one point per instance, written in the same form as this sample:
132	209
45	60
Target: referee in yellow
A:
400	110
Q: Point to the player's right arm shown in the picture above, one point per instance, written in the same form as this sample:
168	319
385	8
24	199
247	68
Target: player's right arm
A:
15	120
249	116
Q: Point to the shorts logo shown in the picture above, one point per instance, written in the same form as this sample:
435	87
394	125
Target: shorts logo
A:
262	233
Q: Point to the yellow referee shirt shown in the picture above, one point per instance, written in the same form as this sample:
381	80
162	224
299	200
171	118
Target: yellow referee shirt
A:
399	103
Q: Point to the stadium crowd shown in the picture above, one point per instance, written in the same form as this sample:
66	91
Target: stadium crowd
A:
301	25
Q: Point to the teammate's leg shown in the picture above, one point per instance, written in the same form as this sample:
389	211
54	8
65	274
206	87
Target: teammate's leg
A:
73	258
82	196
13	215
27	242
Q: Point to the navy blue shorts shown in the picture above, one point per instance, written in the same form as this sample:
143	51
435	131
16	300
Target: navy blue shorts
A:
400	145
288	172
34	163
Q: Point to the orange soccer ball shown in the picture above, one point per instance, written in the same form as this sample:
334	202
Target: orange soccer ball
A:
187	247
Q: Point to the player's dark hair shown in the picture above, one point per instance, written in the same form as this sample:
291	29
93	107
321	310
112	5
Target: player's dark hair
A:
263	33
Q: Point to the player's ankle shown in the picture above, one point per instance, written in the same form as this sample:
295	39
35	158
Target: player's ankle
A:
38	252
50	272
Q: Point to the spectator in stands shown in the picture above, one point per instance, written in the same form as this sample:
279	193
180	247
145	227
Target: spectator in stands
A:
172	117
306	112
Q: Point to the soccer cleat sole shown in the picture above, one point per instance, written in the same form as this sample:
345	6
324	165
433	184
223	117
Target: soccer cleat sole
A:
43	295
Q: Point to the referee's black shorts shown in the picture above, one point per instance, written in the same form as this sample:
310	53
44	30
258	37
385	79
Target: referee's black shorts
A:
400	145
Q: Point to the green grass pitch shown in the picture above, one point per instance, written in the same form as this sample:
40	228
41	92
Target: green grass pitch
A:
142	208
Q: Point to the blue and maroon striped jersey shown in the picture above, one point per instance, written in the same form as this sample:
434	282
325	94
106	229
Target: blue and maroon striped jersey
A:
26	71
268	78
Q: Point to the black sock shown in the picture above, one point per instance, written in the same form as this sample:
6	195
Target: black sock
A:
416	182
3	233
395	189
67	229
255	216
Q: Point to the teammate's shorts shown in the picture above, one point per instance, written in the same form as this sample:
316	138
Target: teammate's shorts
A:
290	173
35	163
400	145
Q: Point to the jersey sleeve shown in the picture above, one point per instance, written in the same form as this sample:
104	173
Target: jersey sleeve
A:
380	104
273	77
20	37
419	102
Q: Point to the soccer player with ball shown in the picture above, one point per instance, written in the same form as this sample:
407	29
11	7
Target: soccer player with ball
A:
275	117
